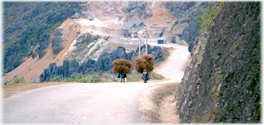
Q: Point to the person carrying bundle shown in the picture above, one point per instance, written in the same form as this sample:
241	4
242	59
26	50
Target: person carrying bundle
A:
122	67
144	65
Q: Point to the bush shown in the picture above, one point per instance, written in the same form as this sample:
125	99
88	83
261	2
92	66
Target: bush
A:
210	13
235	46
106	75
156	76
97	48
79	78
87	79
56	79
6	82
19	80
91	46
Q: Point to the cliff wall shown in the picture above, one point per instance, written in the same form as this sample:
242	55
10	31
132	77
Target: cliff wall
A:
222	81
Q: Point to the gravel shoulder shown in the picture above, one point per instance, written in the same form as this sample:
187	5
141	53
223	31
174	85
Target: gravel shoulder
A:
157	103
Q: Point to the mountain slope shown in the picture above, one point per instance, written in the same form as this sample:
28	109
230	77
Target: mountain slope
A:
28	25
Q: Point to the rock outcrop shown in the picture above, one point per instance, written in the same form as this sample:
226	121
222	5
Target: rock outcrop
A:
137	11
222	81
56	41
189	12
181	9
103	64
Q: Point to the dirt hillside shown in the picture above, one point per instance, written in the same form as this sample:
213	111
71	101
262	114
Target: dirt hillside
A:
72	28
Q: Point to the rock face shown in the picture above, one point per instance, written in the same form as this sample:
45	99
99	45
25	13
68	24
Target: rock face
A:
188	11
190	33
56	41
103	64
222	81
138	11
181	9
169	29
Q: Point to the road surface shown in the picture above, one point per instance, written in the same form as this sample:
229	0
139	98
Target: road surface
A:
88	102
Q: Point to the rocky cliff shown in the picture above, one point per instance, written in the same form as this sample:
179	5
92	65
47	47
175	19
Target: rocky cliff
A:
222	81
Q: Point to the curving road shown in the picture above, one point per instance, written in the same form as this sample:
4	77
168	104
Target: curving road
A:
88	102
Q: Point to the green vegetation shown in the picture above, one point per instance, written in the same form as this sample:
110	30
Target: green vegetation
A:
166	55
6	82
210	13
54	26
83	47
22	50
176	22
105	75
220	73
25	19
73	55
8	44
16	16
19	80
93	78
56	79
135	76
235	46
97	48
80	59
90	46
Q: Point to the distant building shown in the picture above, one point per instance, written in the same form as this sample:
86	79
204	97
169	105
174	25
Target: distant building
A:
177	32
135	25
130	26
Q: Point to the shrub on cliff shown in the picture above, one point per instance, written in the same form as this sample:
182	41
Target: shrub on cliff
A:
210	13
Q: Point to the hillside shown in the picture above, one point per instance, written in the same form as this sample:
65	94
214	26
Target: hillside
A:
28	27
53	33
221	84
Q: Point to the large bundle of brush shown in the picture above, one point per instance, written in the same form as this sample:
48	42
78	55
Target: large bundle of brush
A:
144	62
122	66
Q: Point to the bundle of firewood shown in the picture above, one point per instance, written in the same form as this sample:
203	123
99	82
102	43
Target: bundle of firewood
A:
122	66
144	62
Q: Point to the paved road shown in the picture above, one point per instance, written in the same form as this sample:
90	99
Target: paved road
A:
84	102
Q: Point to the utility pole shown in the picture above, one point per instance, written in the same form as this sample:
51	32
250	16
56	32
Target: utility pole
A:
146	52
139	48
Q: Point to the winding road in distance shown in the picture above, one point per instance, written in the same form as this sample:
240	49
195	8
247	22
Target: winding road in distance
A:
89	102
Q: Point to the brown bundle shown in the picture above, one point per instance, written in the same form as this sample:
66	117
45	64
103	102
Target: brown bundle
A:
122	66
144	62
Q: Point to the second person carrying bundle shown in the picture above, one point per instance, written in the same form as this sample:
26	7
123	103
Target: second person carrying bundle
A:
122	66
